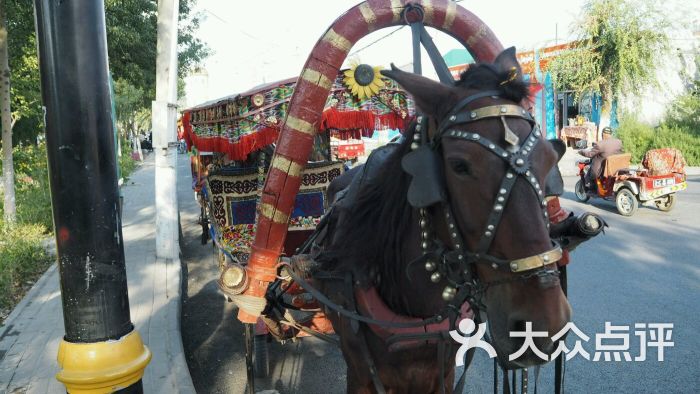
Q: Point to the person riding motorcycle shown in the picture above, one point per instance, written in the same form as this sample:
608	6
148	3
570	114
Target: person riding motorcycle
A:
598	153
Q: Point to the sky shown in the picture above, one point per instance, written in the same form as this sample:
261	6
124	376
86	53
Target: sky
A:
258	41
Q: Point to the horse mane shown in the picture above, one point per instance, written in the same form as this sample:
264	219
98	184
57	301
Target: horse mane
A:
484	76
374	226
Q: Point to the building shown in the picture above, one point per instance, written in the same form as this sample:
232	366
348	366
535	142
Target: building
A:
555	109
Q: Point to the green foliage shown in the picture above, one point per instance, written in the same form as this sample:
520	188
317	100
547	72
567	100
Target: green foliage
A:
637	138
128	100
619	48
22	254
32	192
684	112
127	164
686	140
25	83
142	119
131	38
131	35
22	259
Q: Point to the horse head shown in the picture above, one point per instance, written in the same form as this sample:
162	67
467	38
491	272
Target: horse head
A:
478	164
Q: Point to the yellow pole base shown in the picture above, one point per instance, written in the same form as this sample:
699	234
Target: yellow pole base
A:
102	367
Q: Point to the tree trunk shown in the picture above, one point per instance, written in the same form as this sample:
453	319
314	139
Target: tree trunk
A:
137	146
8	172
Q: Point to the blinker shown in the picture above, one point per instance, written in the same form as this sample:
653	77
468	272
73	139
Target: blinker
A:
426	189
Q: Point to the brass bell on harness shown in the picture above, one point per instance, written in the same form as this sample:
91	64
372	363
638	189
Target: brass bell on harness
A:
435	277
430	266
449	293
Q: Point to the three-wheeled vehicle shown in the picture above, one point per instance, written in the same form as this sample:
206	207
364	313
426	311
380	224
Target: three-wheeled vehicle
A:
655	184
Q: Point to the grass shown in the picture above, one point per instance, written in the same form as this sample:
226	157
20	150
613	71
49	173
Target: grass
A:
23	257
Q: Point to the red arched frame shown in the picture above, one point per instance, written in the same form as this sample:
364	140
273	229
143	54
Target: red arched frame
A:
306	106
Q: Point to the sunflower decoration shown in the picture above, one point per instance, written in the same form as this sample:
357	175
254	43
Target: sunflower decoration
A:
363	80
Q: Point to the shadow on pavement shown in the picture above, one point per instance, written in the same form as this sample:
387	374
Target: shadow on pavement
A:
213	337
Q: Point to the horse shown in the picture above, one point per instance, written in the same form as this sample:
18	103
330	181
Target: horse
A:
449	218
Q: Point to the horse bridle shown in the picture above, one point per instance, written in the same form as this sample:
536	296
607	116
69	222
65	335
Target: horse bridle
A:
457	265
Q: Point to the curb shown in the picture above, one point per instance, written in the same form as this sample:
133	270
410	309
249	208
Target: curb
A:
169	363
28	298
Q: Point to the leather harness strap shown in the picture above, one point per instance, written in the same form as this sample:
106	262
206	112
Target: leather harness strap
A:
421	36
359	331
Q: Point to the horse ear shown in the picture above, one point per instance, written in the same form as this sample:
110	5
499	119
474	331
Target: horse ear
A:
430	96
506	62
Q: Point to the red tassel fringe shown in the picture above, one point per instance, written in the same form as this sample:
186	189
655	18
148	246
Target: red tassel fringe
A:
350	123
241	148
366	121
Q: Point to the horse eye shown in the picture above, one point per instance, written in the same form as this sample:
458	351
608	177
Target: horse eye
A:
460	166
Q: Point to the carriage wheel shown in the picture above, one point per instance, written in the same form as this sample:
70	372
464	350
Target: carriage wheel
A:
666	203
257	360
249	343
261	361
626	202
205	225
580	191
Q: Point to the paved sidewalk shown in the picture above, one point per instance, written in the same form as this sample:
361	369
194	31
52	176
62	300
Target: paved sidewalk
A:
30	336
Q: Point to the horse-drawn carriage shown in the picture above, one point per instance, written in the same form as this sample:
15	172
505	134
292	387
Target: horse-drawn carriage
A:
231	141
457	220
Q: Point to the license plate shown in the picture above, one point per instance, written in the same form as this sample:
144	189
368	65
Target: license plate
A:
664	182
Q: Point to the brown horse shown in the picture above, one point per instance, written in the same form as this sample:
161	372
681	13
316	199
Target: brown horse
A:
452	214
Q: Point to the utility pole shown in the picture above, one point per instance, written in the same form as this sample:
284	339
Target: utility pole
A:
164	112
8	171
101	351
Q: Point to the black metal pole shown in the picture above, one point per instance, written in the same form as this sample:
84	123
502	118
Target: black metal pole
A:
83	174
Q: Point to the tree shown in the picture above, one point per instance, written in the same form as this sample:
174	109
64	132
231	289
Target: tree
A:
620	46
128	101
131	35
27	111
131	39
9	210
